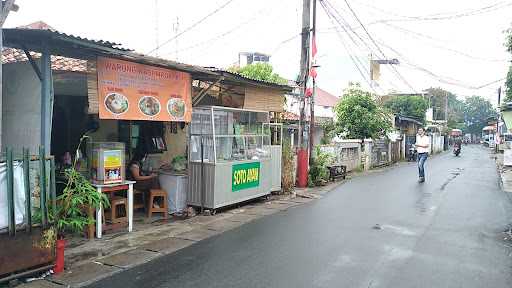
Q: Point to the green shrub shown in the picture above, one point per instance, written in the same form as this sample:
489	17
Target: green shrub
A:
318	172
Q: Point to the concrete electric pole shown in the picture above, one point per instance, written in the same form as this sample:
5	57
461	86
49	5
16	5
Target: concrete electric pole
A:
312	102
302	154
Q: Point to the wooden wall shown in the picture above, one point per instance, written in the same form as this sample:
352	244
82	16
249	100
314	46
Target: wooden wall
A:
264	99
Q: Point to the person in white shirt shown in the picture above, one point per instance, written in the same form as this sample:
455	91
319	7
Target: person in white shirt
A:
423	147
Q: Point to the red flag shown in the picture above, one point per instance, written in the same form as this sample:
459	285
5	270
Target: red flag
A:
309	92
313	47
312	72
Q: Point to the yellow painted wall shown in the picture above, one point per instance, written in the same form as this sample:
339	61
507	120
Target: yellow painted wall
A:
176	143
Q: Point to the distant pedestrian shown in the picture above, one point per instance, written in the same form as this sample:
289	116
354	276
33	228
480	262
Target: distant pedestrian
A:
423	147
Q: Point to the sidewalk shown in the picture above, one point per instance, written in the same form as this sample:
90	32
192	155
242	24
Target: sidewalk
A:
88	261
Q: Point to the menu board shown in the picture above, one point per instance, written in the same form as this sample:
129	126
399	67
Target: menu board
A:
132	91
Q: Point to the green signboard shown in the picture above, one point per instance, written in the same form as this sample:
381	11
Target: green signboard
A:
246	175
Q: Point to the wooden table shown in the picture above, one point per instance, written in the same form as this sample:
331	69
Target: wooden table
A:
107	188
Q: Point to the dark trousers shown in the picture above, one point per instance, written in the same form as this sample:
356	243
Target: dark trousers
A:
146	185
422	157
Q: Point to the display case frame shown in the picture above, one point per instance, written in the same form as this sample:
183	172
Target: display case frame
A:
229	156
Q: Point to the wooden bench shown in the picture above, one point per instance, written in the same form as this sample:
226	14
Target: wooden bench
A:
337	171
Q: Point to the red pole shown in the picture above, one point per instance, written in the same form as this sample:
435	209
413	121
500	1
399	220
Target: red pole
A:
59	259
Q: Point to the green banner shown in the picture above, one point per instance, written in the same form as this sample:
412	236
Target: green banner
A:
246	175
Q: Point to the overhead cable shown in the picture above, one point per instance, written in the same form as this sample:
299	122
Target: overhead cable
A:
192	26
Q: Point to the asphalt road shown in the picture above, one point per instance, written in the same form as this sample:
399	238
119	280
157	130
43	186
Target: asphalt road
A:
443	233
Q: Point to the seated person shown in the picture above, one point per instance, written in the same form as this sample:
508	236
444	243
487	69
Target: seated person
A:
144	181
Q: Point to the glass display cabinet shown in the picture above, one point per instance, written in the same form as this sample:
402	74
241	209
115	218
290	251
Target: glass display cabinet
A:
229	156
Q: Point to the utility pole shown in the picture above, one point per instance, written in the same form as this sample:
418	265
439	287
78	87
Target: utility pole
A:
312	100
302	157
498	122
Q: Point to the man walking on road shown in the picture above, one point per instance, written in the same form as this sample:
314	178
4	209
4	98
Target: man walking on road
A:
423	147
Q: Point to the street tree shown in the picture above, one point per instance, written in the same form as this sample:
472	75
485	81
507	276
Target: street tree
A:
359	117
410	106
508	82
259	71
477	111
455	107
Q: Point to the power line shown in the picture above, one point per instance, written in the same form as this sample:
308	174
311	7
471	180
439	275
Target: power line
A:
354	61
215	38
440	78
417	35
376	45
346	25
192	26
441	16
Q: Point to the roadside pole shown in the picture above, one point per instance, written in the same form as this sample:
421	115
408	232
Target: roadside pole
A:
312	100
497	149
302	154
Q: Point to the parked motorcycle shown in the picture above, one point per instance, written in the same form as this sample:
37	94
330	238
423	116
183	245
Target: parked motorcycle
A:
413	153
456	150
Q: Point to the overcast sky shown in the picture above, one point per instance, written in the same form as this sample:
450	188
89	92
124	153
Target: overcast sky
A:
459	51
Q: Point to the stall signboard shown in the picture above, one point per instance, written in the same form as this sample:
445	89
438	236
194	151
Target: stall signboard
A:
132	91
245	175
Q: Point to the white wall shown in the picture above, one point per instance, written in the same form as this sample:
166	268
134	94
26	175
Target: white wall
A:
323	111
21	109
293	105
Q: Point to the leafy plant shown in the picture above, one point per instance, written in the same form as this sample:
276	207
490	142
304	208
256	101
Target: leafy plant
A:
287	167
259	71
79	194
318	172
508	83
179	163
359	117
70	215
411	106
329	129
476	112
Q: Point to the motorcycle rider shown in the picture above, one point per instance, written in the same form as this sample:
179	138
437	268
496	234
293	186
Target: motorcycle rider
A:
458	143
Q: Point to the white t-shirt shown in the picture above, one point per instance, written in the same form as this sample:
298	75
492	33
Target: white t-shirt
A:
422	140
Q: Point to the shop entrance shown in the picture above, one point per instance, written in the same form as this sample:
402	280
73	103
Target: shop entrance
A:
69	120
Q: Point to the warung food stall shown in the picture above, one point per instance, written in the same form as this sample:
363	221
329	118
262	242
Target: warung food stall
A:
229	156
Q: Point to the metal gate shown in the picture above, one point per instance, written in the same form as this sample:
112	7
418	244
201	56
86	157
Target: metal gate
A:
25	244
409	141
396	151
380	152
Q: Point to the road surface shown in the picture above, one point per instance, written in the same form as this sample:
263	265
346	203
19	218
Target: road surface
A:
381	230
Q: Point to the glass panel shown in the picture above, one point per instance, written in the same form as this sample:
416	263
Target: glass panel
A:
230	148
255	148
222	121
201	122
195	148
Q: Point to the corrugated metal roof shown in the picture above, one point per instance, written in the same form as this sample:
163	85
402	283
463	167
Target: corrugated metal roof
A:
42	26
245	78
78	48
